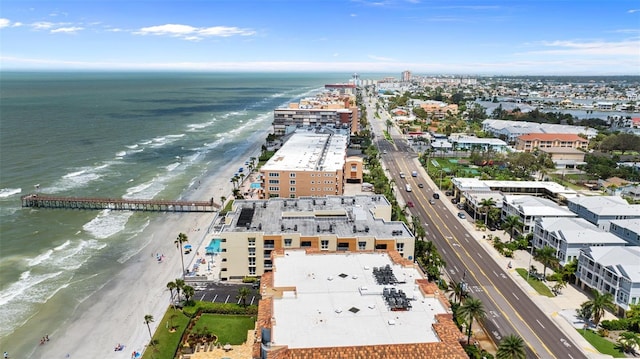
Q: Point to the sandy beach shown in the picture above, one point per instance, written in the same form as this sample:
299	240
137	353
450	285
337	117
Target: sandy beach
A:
115	314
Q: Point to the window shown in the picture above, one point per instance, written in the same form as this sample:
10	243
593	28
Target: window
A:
275	189
292	182
252	241
362	246
324	244
274	181
292	189
252	261
292	175
252	251
274	174
287	242
400	247
252	270
305	244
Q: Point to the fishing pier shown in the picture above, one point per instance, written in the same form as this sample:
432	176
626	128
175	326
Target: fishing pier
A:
44	201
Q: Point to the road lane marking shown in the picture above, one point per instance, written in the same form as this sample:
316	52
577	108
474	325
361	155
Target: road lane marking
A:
514	294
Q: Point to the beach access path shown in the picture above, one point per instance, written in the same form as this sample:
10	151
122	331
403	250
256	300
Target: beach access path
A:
115	314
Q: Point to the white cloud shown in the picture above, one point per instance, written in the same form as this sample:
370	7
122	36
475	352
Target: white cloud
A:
187	32
621	48
67	30
633	10
380	58
4	23
42	25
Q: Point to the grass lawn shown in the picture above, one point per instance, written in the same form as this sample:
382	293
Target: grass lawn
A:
540	287
167	341
230	329
603	345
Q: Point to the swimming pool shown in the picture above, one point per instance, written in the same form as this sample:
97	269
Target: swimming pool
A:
255	185
214	246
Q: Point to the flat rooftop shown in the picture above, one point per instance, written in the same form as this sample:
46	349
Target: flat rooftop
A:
344	216
336	296
310	151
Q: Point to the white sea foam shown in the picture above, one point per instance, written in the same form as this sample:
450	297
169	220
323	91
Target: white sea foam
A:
78	178
26	282
172	166
7	192
132	147
121	154
107	223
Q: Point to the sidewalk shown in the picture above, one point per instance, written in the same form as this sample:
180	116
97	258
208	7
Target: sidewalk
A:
561	309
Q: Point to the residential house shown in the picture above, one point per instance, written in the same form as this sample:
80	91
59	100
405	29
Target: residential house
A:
600	210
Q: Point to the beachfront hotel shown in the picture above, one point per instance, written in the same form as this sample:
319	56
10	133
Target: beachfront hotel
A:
326	304
253	229
310	163
335	108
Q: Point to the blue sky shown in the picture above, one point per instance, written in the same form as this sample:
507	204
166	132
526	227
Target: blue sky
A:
516	37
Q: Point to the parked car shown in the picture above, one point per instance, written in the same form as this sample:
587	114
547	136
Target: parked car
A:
449	193
454	200
461	215
460	206
402	175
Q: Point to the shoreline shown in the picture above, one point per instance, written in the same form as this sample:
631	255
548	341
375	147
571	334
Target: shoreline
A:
115	313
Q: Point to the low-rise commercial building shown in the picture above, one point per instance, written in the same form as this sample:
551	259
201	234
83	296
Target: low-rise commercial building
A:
254	228
600	210
531	141
569	235
531	208
614	270
550	190
374	305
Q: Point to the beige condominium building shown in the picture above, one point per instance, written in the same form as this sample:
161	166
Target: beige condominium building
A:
346	224
308	164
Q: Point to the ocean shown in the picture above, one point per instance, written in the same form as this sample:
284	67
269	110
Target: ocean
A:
109	134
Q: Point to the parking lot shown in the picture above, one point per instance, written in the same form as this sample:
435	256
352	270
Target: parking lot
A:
224	293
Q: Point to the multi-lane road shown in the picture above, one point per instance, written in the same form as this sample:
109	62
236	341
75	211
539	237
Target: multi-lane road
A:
508	308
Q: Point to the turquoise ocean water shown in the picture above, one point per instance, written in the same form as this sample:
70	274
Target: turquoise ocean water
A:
130	135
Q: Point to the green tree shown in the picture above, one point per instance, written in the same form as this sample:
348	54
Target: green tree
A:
243	294
627	342
547	256
171	286
388	123
471	309
189	292
598	304
456	292
512	224
179	286
511	347
147	320
180	240
633	316
486	204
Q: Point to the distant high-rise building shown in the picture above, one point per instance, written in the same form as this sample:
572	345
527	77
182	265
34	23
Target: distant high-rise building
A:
406	76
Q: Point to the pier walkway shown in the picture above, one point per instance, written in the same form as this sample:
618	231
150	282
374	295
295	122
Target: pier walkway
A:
44	201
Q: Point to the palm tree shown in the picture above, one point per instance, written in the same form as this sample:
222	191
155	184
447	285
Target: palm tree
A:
179	286
511	347
182	238
511	223
471	309
598	305
456	291
188	291
628	341
243	293
171	286
486	204
389	124
633	316
149	319
547	256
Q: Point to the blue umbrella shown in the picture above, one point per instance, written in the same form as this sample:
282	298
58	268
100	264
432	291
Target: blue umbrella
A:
187	246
